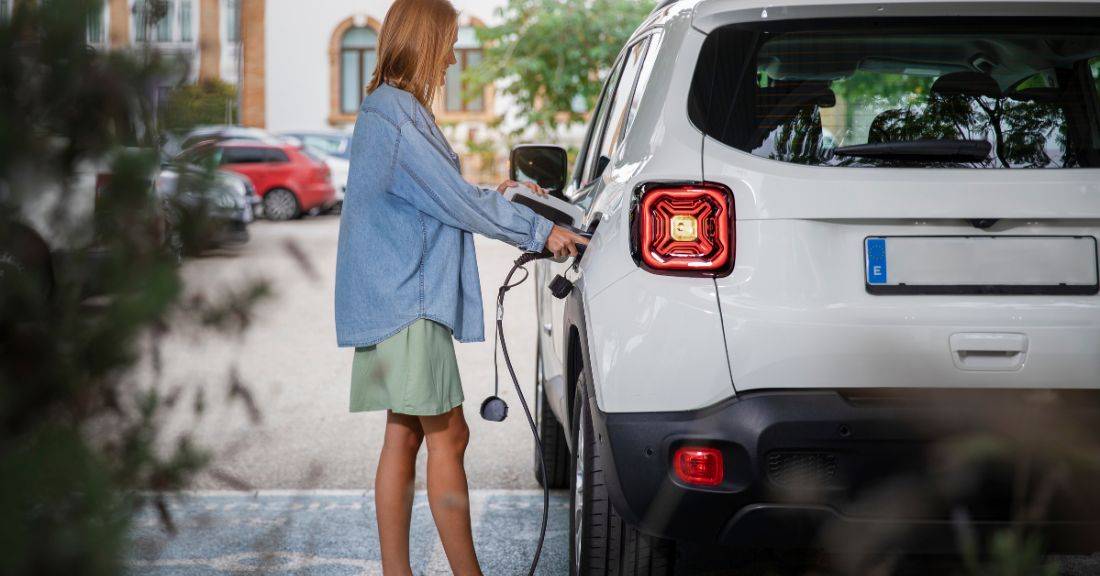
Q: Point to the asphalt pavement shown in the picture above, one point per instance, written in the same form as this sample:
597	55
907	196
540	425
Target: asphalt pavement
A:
305	438
288	489
332	533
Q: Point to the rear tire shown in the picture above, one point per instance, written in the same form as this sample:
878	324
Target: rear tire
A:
281	204
602	544
555	451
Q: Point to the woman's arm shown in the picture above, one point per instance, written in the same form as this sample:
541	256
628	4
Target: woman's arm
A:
427	180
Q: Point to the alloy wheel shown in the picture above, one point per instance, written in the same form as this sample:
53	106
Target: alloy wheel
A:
280	205
581	449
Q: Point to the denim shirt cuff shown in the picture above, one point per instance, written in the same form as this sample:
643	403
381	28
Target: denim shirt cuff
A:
540	230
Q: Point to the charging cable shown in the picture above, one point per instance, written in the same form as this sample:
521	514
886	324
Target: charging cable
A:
495	409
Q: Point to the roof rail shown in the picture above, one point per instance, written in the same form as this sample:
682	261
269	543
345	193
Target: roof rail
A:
663	4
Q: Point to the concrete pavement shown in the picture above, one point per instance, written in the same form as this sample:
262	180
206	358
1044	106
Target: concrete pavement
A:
332	533
299	379
299	475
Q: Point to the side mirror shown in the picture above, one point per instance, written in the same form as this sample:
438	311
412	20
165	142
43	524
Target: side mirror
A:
542	164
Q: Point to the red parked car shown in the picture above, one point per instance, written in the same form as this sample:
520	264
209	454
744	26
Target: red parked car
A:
288	179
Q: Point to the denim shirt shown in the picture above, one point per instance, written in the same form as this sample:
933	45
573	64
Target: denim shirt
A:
406	248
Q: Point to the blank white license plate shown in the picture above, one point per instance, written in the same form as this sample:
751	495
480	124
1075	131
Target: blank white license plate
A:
981	265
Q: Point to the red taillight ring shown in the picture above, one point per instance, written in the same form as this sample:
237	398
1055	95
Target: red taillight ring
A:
684	228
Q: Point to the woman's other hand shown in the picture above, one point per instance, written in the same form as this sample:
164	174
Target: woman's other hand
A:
529	185
561	242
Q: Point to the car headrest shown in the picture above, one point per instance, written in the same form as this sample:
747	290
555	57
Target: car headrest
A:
966	83
800	93
1039	94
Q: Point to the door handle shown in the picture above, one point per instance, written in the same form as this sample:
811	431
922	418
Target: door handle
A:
988	351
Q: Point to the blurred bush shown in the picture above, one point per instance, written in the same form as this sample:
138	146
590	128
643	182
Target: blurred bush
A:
88	286
208	102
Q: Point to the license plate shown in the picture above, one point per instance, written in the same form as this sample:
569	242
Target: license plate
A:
981	265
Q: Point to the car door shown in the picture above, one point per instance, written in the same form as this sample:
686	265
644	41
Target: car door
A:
604	134
247	161
280	172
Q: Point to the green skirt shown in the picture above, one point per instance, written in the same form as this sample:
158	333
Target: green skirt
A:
412	372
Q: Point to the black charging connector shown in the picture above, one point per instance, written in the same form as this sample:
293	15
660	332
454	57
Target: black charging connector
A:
560	287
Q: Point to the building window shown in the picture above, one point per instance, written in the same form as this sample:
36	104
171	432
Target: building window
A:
357	60
5	10
96	24
233	21
141	20
164	23
468	55
186	34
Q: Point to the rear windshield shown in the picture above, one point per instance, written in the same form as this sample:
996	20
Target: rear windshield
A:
927	93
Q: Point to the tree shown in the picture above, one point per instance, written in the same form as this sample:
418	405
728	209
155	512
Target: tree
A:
208	102
84	295
552	55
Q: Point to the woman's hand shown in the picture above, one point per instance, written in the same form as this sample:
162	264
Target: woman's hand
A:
530	186
561	242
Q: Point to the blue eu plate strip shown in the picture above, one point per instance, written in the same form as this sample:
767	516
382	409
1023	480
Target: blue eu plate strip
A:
876	260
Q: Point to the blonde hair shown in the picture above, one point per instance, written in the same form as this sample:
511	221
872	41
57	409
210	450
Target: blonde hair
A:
413	46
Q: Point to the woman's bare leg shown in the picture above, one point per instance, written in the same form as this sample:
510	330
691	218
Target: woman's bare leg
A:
448	494
393	491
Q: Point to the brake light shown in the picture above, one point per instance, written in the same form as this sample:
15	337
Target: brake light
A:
684	228
698	465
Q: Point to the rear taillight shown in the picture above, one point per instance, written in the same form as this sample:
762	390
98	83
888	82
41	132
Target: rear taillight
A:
699	466
684	228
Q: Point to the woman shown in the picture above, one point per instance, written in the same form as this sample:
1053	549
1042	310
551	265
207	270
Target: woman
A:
407	280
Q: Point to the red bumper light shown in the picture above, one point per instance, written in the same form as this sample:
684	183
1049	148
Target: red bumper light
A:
685	228
698	466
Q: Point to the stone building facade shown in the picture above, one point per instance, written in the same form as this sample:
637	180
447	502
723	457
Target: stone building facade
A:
300	64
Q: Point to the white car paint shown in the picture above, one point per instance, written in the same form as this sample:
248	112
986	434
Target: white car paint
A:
338	167
794	313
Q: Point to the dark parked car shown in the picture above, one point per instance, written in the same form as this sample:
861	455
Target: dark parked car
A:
226	203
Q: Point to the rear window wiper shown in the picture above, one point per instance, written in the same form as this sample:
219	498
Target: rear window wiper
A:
951	150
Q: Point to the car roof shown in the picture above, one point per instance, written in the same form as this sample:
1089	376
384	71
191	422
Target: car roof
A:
238	142
709	14
333	133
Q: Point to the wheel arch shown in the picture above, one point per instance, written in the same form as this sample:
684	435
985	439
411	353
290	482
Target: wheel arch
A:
576	350
283	186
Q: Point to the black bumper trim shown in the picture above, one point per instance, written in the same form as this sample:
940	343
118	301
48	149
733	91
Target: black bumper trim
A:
872	438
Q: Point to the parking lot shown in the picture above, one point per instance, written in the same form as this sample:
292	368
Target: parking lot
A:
306	455
305	437
289	489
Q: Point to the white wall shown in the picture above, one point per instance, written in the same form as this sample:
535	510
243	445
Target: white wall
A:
297	61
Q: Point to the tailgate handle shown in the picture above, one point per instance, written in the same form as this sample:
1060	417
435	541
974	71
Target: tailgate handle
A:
986	351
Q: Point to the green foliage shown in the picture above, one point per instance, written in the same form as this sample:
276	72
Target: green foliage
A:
208	102
87	286
485	149
553	55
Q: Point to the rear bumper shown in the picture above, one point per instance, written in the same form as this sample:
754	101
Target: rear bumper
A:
320	195
231	231
804	468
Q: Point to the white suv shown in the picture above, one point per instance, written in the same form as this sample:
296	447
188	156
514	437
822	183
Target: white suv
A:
806	217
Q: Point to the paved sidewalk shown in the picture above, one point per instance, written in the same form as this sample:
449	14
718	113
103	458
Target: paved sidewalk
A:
332	533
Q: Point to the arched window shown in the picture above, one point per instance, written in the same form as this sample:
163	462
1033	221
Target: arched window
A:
357	60
468	55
